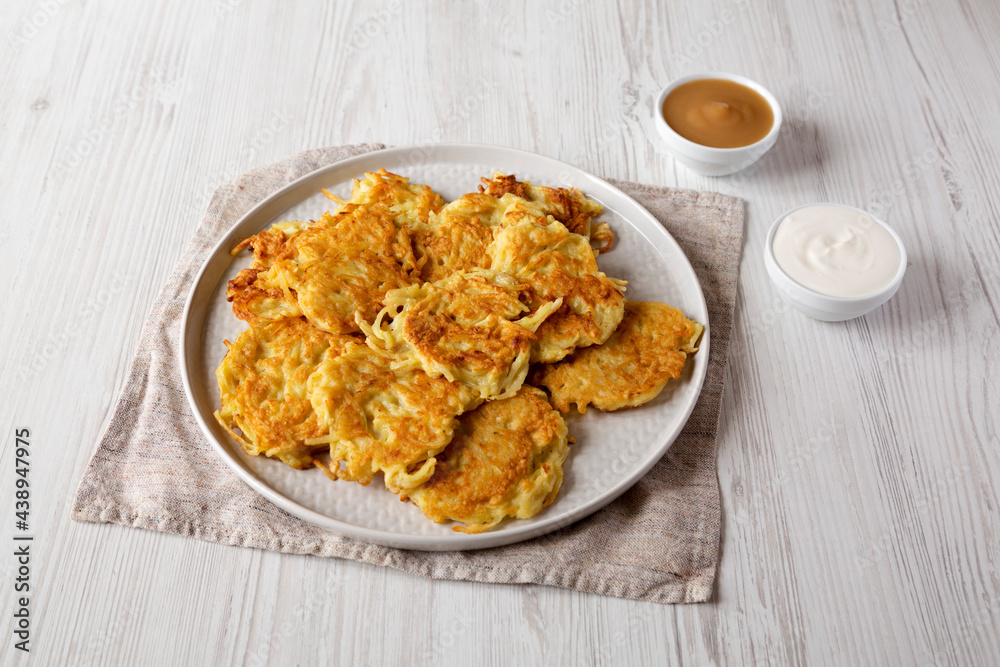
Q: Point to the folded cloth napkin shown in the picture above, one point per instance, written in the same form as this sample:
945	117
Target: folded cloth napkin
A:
658	542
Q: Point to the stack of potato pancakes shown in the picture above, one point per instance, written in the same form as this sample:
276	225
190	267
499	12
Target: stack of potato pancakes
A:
399	334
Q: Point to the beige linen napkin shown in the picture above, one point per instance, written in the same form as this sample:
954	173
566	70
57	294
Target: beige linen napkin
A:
659	542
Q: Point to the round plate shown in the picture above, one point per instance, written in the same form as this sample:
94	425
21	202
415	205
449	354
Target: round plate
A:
613	450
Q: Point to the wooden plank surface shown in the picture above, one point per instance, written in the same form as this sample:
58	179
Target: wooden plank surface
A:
859	462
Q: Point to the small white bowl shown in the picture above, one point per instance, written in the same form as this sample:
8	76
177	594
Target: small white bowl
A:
706	159
821	306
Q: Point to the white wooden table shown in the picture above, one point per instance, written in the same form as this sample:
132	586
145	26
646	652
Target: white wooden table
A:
859	462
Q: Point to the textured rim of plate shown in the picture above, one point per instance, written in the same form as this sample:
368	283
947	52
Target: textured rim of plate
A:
510	532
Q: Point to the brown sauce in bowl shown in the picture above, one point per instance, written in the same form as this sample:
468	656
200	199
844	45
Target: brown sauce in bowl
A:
718	113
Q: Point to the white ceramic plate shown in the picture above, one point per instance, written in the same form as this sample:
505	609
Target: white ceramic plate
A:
613	450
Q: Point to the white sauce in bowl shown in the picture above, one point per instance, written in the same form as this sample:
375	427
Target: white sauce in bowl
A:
836	250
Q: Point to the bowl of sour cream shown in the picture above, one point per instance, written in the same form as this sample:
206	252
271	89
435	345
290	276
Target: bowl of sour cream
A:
834	262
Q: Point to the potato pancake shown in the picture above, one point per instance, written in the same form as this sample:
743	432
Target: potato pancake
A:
569	206
505	461
456	238
558	264
409	203
345	267
263	380
260	293
470	327
254	300
379	419
459	235
649	348
330	271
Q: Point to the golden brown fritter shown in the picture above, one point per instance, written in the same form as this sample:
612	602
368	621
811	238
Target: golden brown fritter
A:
649	348
557	264
409	203
470	327
252	297
569	206
330	271
354	246
456	238
272	243
345	268
500	184
380	419
506	460
262	380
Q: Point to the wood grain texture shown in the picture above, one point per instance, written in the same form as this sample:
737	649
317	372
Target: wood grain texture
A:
859	462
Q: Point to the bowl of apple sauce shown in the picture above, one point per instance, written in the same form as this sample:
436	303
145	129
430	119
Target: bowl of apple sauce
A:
717	123
834	262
